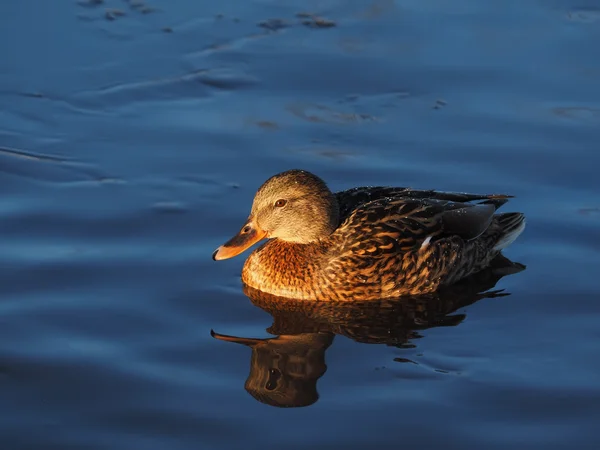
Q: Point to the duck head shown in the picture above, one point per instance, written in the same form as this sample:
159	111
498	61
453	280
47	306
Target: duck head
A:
294	206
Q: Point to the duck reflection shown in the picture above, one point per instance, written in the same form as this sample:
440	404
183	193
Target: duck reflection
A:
284	370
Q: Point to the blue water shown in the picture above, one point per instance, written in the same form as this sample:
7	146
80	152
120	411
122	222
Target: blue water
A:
132	142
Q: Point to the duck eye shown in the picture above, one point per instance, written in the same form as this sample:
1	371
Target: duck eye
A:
246	229
280	203
274	376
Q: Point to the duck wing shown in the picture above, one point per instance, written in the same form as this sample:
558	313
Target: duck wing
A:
401	224
351	199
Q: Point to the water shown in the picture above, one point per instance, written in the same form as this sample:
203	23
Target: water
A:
132	146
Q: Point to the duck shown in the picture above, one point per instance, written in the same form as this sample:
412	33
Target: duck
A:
366	243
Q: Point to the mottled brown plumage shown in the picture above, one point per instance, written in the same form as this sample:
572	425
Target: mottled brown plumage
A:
366	243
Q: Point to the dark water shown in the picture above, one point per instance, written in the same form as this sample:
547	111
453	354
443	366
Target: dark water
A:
131	148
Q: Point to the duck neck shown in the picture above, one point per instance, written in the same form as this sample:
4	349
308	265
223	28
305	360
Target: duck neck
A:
279	263
325	220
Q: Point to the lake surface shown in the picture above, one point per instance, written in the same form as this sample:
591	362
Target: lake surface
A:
133	137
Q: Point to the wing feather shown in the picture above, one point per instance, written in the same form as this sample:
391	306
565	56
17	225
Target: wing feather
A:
398	225
351	199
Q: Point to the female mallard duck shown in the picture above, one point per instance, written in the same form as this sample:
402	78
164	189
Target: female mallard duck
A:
366	243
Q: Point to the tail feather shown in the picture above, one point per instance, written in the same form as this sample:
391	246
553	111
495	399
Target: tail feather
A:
511	225
496	200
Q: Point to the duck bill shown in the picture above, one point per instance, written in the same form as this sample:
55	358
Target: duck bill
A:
250	342
249	235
